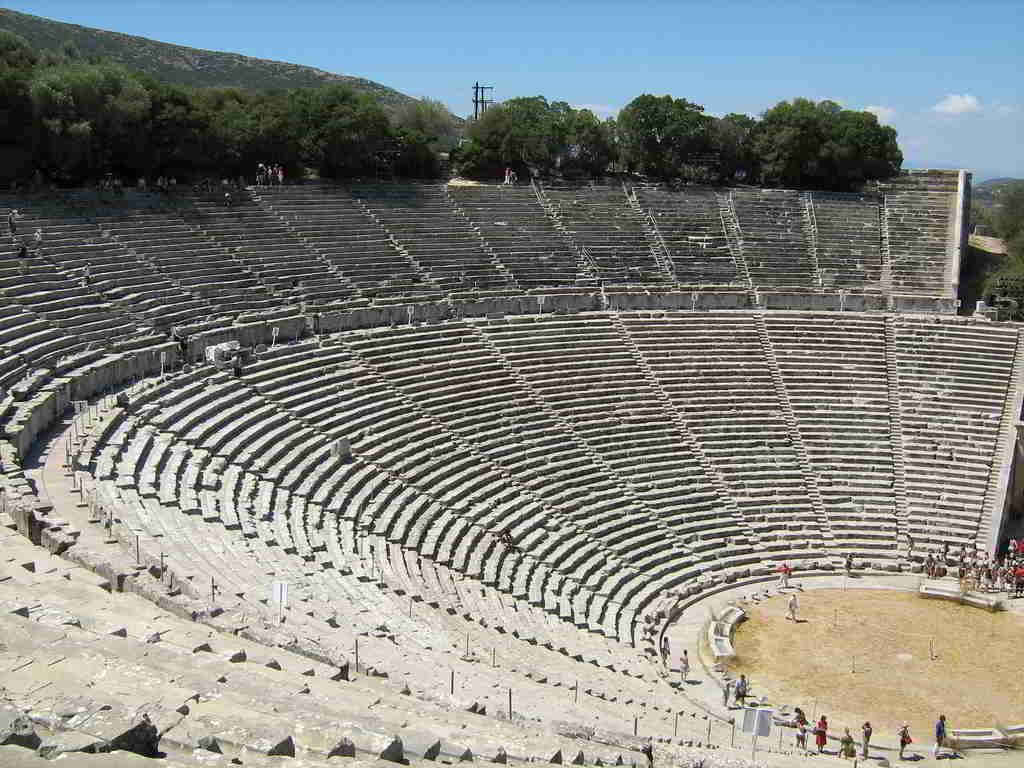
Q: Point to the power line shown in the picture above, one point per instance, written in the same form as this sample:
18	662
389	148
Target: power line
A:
480	100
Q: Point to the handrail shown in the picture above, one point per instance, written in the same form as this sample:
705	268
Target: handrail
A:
666	255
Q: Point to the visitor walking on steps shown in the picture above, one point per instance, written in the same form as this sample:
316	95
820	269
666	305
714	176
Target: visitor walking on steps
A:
821	733
727	693
12	222
665	650
684	666
792	607
940	735
866	739
904	738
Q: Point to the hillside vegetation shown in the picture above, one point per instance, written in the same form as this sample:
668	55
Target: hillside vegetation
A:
182	65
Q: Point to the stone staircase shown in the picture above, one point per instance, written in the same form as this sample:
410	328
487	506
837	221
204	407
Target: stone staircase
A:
416	265
267	206
883	228
998	486
584	263
734	236
899	470
811	230
809	475
495	259
659	249
682	427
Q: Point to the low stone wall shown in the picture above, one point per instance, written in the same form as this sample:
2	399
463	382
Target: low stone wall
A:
248	334
48	404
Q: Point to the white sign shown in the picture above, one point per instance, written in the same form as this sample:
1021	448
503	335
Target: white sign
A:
757	721
279	593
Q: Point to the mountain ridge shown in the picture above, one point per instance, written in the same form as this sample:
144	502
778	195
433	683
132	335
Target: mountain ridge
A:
185	65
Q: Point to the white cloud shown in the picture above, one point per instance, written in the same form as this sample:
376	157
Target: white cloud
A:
884	114
957	104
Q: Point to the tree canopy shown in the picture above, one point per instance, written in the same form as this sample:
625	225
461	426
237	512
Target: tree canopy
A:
801	143
534	136
660	135
74	118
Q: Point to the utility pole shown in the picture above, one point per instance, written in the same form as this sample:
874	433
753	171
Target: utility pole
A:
480	100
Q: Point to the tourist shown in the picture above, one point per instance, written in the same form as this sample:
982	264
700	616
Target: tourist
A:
37	239
648	751
904	738
665	653
726	692
849	563
801	736
87	275
792	608
784	570
227	199
742	689
684	666
821	733
846	746
12	222
866	739
940	735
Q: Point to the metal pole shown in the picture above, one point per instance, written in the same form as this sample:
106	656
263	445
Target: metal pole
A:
494	659
357	655
636	724
467	644
732	739
510	704
577	699
138	557
710	721
675	728
453	682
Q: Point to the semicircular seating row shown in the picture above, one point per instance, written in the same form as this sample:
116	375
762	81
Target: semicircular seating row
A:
622	454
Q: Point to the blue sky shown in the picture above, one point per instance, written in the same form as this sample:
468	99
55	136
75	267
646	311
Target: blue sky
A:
946	75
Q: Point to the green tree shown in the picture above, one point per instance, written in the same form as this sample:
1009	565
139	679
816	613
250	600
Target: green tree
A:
733	140
535	136
431	120
659	135
340	132
801	143
93	117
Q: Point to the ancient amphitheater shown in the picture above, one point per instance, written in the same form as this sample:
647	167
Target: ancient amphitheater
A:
424	472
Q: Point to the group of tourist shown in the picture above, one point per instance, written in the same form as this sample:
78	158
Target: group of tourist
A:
268	175
511	177
978	573
847	744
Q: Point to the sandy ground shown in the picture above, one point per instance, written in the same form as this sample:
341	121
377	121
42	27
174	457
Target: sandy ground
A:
874	664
